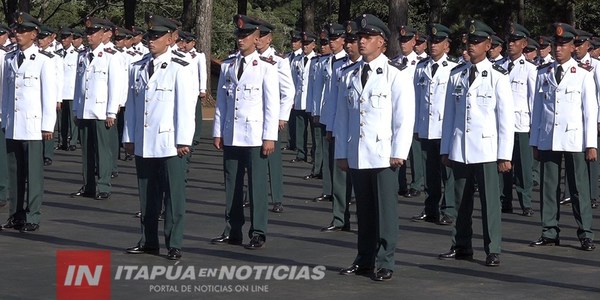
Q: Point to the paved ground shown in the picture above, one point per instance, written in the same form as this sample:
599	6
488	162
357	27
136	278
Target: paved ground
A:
29	260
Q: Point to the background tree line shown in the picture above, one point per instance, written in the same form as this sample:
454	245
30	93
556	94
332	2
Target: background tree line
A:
212	20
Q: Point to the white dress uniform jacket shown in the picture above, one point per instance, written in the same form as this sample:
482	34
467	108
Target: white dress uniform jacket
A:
69	72
565	114
300	74
478	121
374	123
286	83
59	67
595	64
29	95
101	84
160	110
430	93
327	80
522	83
330	96
411	61
200	59
247	111
3	51
316	84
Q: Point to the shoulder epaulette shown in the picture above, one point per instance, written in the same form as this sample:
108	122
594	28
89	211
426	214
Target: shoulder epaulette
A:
397	64
110	50
132	53
46	53
120	50
178	53
500	69
180	61
424	60
4	48
59	52
544	66
268	60
459	66
452	59
229	58
586	67
531	62
315	57
349	66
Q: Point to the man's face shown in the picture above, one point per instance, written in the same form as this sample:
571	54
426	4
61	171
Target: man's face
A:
3	38
44	42
159	44
77	42
351	47
127	42
530	56
516	46
66	41
494	51
336	44
325	49
181	45
307	48
582	49
407	46
248	43
564	51
107	37
296	44
120	43
370	45
477	49
264	42
438	48
545	51
136	39
190	45
94	37
25	36
420	48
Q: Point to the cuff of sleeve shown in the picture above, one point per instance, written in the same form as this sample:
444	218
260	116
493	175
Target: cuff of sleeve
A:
111	115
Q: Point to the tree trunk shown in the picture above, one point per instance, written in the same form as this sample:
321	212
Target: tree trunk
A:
571	13
435	11
187	17
398	16
521	12
129	12
344	14
242	7
204	9
25	6
10	8
308	15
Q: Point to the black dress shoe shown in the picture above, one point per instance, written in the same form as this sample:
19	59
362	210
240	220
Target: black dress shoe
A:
246	203
29	227
587	244
565	201
13	223
445	220
313	176
295	160
594	203
128	157
174	254
62	147
288	148
333	228
323	198
424	217
257	242
357	270
224	239
492	260
458	254
382	274
72	148
277	207
142	250
83	193
103	196
412	193
47	162
138	214
114	174
528	212
544	241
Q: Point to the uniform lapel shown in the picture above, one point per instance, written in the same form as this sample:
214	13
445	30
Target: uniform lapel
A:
478	79
13	63
356	79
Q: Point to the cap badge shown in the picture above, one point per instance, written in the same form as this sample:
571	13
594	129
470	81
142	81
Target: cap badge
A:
331	30
348	28
240	22
323	35
512	28
541	41
88	23
20	19
363	22
472	29
559	30
433	31
402	31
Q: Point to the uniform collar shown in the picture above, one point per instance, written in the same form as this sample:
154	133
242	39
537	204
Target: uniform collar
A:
340	55
483	65
442	59
252	56
298	52
569	64
33	49
587	59
269	52
161	59
378	62
522	57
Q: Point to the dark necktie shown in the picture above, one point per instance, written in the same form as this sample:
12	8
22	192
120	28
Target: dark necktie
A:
405	61
20	59
511	65
472	74
434	68
151	68
91	56
305	60
241	68
364	76
558	74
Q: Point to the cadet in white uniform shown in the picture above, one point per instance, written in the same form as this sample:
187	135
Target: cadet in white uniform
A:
430	83
495	53
245	127
286	101
3	164
159	127
477	142
296	43
372	139
408	57
300	68
564	124
100	88
28	117
522	75
68	129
